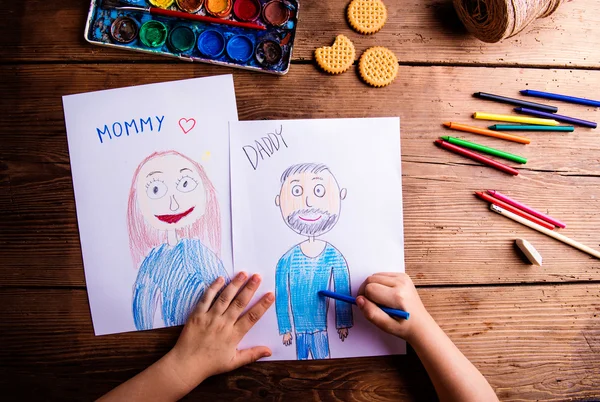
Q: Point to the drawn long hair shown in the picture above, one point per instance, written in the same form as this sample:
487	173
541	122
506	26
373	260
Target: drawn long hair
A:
143	237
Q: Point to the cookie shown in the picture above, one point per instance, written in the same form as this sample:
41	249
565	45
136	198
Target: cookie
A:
367	16
378	66
337	58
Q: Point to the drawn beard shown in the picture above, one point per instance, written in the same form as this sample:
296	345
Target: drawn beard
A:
308	228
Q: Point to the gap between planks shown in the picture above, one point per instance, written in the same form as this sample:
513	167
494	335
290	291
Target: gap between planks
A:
424	287
406	160
303	62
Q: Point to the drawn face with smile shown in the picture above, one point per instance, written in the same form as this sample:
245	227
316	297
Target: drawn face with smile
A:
170	192
310	202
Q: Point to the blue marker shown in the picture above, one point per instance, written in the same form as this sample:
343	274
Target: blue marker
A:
349	299
564	98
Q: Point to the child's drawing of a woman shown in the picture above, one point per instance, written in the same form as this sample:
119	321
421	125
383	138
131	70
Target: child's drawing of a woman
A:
174	236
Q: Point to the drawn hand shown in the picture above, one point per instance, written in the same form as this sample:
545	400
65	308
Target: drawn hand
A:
207	345
287	339
395	290
343	333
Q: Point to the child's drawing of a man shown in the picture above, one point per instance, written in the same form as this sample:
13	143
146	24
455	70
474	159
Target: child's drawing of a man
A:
310	203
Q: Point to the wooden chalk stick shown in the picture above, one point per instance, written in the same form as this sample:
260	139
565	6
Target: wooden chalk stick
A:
530	252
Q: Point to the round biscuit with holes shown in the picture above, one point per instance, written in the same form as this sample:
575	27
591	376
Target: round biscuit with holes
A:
366	16
378	66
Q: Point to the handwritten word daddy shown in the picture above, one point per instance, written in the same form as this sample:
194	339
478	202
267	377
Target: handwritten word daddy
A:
117	129
265	146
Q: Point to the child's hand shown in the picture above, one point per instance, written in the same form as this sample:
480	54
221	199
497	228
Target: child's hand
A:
394	290
207	345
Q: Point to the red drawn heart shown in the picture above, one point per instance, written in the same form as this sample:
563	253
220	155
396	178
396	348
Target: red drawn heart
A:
187	124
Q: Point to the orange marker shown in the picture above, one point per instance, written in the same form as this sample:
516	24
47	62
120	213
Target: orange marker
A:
489	133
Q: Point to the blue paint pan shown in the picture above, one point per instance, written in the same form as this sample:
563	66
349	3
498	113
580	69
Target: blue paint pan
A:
211	43
240	48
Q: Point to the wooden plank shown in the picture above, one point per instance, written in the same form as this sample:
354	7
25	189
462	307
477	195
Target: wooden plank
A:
40	245
531	343
424	97
418	32
442	218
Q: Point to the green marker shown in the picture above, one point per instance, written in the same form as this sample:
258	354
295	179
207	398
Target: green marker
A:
523	127
484	149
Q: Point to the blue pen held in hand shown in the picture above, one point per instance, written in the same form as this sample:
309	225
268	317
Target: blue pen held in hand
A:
352	300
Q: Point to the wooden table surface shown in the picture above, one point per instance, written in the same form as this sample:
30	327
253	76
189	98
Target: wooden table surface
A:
534	332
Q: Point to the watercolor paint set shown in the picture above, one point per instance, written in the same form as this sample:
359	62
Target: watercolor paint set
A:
250	34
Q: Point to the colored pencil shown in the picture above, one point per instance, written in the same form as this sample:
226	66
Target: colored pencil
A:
525	127
551	233
484	149
564	98
349	299
122	5
516	102
489	133
512	209
565	119
479	158
514	119
525	208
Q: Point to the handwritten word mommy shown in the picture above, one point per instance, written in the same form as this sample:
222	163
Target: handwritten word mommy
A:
135	126
264	147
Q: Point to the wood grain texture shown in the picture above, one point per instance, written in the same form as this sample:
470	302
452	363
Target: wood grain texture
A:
423	97
442	217
531	343
425	31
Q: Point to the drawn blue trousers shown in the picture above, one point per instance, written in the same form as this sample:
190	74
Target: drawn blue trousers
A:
317	343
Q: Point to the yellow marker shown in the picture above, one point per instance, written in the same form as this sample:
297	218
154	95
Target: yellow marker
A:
515	119
206	156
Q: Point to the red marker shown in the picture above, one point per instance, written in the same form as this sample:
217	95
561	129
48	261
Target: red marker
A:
479	158
531	211
512	209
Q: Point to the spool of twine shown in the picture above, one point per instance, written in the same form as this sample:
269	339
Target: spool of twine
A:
493	20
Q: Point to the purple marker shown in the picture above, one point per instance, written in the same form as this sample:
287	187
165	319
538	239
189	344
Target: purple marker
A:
566	119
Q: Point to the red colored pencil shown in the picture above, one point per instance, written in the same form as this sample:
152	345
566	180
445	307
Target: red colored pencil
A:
512	209
479	158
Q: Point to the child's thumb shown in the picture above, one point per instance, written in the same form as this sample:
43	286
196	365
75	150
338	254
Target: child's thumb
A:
377	316
247	356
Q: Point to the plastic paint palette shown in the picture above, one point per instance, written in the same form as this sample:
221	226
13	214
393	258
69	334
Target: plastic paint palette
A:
267	50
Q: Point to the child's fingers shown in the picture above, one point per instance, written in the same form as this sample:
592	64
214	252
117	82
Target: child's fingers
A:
387	280
209	295
377	316
390	274
247	356
224	299
243	298
383	295
390	281
251	317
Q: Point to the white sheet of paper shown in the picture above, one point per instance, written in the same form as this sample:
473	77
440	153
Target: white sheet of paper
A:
362	185
110	134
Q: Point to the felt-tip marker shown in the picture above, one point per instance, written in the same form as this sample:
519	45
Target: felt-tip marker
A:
349	299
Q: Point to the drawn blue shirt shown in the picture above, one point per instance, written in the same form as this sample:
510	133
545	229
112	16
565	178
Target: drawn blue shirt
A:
179	275
298	278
